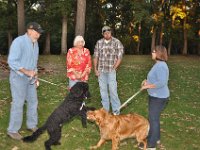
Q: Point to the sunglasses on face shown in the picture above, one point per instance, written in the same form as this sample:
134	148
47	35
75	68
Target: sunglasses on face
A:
106	30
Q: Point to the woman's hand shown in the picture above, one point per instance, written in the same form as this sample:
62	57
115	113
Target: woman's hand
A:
144	82
77	75
83	74
146	85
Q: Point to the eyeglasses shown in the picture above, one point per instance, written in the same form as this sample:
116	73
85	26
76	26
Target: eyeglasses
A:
106	30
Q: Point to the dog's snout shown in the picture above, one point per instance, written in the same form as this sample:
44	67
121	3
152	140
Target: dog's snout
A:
90	115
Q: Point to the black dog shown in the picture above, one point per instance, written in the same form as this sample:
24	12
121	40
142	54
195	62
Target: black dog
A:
73	105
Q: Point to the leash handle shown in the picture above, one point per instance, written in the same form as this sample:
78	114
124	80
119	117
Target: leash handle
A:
130	99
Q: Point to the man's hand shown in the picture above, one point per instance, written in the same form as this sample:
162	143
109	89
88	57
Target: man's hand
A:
29	73
96	72
37	83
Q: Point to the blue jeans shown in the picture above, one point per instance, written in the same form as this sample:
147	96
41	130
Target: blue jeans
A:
21	90
73	82
108	84
156	105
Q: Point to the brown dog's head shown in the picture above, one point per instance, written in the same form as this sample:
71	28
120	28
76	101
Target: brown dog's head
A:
97	115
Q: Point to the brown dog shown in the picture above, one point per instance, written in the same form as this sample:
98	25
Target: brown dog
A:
119	127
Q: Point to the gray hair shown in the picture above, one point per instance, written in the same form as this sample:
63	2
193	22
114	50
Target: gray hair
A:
79	38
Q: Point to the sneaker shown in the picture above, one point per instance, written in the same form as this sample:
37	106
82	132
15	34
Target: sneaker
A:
141	146
153	148
116	113
15	136
33	129
158	142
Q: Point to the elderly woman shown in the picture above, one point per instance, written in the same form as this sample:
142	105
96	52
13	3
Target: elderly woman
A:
78	62
158	91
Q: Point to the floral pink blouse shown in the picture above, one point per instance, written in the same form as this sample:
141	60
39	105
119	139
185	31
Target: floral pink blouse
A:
78	62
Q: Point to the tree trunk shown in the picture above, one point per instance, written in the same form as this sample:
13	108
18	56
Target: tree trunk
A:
153	40
161	34
169	46
138	45
198	46
20	17
64	35
184	52
10	24
185	38
80	17
47	44
10	38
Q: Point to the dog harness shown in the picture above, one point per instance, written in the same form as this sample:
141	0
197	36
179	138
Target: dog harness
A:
83	104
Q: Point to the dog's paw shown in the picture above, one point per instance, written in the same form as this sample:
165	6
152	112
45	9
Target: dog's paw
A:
57	143
84	126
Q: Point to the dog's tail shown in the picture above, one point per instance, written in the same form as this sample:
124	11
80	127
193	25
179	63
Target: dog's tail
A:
35	134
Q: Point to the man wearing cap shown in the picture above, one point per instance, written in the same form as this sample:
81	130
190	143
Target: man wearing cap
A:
22	60
108	54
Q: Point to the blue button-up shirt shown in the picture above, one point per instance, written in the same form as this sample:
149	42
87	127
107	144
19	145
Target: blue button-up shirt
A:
23	54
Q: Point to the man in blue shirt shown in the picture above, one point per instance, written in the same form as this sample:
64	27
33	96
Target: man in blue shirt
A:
22	60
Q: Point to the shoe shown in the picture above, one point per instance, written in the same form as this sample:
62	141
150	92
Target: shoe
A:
116	114
33	129
15	136
141	146
158	142
153	148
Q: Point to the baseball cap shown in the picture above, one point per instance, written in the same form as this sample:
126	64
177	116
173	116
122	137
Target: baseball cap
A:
35	26
106	28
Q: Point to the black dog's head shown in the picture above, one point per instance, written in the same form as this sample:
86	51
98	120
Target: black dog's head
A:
80	90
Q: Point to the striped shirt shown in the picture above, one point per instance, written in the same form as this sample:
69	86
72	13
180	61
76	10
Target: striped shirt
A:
23	54
108	53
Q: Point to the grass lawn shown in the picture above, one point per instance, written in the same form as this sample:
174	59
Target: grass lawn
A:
180	121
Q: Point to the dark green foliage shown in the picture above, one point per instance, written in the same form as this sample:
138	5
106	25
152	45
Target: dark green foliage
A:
124	16
179	121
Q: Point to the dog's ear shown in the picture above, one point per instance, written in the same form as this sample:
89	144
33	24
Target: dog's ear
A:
77	90
100	118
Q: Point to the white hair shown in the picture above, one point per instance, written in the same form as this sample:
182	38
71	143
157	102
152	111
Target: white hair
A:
79	38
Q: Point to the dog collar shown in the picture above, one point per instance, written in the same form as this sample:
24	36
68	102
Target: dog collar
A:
83	104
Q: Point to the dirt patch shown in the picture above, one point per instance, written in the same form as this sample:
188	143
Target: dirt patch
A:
44	67
4	69
4	75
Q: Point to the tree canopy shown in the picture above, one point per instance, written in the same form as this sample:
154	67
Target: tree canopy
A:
139	24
